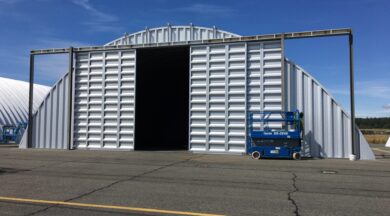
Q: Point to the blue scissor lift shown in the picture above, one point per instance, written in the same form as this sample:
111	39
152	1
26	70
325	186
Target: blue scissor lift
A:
11	133
269	141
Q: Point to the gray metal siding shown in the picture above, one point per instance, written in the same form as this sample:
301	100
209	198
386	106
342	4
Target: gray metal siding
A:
104	100
227	81
51	119
169	33
327	125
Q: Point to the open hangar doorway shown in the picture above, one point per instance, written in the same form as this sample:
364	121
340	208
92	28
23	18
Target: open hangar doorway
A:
162	98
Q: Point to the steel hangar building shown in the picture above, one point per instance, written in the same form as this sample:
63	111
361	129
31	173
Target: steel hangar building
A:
186	88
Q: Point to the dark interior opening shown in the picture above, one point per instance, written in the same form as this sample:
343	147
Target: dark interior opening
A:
161	121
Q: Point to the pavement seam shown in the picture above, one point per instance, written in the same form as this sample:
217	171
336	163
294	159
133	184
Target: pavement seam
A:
114	183
289	194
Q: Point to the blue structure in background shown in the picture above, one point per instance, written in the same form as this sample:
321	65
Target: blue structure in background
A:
12	133
266	142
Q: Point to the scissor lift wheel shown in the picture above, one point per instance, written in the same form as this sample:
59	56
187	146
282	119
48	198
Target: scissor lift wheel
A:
256	155
296	156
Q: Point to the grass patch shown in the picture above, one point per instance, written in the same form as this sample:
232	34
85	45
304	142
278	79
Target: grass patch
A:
376	131
376	138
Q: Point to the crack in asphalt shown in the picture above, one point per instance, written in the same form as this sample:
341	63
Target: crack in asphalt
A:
114	183
289	195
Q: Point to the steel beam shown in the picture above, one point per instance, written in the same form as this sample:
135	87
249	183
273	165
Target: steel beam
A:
30	103
70	99
282	46
355	146
267	37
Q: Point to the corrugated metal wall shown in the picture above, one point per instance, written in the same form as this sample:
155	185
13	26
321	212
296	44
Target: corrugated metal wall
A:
50	121
225	81
327	125
171	34
104	100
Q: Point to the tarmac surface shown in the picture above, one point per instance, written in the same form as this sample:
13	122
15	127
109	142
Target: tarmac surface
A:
381	151
50	182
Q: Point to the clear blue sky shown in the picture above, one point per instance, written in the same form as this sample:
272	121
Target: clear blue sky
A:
38	24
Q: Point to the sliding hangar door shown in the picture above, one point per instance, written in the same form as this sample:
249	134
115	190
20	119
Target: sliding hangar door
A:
104	100
227	81
174	98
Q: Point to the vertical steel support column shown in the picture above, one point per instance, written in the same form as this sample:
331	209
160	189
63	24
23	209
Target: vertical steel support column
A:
355	146
30	103
70	98
283	88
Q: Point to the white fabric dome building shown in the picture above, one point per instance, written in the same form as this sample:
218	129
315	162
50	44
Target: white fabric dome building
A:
14	101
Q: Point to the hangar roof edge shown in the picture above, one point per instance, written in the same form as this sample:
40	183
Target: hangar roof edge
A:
170	33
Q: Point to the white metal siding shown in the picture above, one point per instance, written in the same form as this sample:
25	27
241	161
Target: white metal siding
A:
327	125
104	100
226	81
264	78
51	119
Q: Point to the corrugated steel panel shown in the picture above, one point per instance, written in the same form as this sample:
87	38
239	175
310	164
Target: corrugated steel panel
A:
104	98
171	34
226	80
51	119
264	78
327	125
14	100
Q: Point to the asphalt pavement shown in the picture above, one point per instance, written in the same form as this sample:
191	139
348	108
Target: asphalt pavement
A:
52	182
380	151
